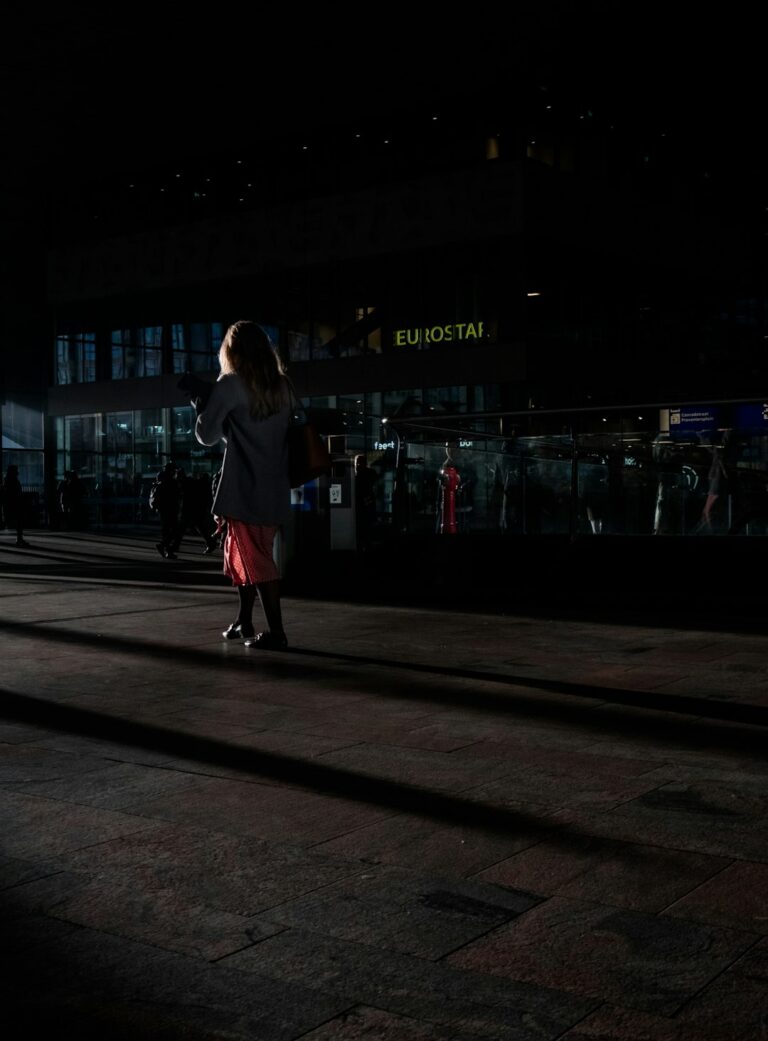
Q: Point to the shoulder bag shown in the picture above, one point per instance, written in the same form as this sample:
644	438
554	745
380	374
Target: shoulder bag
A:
308	455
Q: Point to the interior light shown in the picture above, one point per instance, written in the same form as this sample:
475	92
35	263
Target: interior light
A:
178	175
533	294
604	419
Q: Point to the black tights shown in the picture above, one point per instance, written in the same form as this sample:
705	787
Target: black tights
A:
269	594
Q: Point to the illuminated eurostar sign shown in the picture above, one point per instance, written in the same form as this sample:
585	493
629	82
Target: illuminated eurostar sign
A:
438	334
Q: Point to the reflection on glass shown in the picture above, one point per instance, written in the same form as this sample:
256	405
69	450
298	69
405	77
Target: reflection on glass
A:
76	358
22	422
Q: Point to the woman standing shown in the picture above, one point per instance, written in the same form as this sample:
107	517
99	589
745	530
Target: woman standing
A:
249	408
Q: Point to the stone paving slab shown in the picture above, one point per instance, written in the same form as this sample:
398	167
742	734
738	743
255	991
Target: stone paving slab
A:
225	872
411	841
627	875
414	824
112	787
651	963
736	896
475	1003
405	911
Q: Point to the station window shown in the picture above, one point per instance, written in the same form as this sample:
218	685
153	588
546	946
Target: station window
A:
137	352
75	358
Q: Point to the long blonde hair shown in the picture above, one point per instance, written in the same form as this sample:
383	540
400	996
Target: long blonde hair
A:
246	349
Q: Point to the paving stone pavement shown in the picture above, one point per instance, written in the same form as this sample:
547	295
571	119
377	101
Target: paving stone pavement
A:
415	824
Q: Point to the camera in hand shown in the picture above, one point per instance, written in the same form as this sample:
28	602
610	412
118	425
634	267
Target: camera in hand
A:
195	388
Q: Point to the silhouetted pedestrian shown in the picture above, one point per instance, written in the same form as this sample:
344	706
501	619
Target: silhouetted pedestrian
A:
196	501
13	504
164	497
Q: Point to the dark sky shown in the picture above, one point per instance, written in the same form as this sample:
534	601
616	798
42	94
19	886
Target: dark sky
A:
119	86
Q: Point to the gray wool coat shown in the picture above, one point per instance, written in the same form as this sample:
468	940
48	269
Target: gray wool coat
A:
254	484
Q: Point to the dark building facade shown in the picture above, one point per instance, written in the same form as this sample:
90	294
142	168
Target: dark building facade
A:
577	310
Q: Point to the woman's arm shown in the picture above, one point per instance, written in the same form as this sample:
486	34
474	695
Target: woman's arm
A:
211	425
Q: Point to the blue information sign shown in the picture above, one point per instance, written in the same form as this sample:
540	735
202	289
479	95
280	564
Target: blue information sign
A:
691	419
751	417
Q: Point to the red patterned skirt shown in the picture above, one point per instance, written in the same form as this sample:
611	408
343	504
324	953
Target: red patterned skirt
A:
248	553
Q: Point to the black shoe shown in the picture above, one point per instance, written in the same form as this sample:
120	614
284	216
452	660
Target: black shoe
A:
237	632
160	549
209	549
21	542
268	641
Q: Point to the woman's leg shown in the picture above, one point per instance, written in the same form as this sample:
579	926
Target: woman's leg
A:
269	594
247	596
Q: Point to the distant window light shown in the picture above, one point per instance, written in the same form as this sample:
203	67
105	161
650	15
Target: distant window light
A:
534	293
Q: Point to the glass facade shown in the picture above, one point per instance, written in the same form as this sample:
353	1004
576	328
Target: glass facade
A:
117	455
520	472
22	426
660	478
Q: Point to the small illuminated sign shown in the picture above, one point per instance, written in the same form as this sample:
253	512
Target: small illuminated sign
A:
466	444
382	446
335	494
693	418
438	334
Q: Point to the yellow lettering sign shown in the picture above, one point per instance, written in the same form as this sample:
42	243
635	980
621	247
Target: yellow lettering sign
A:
439	334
